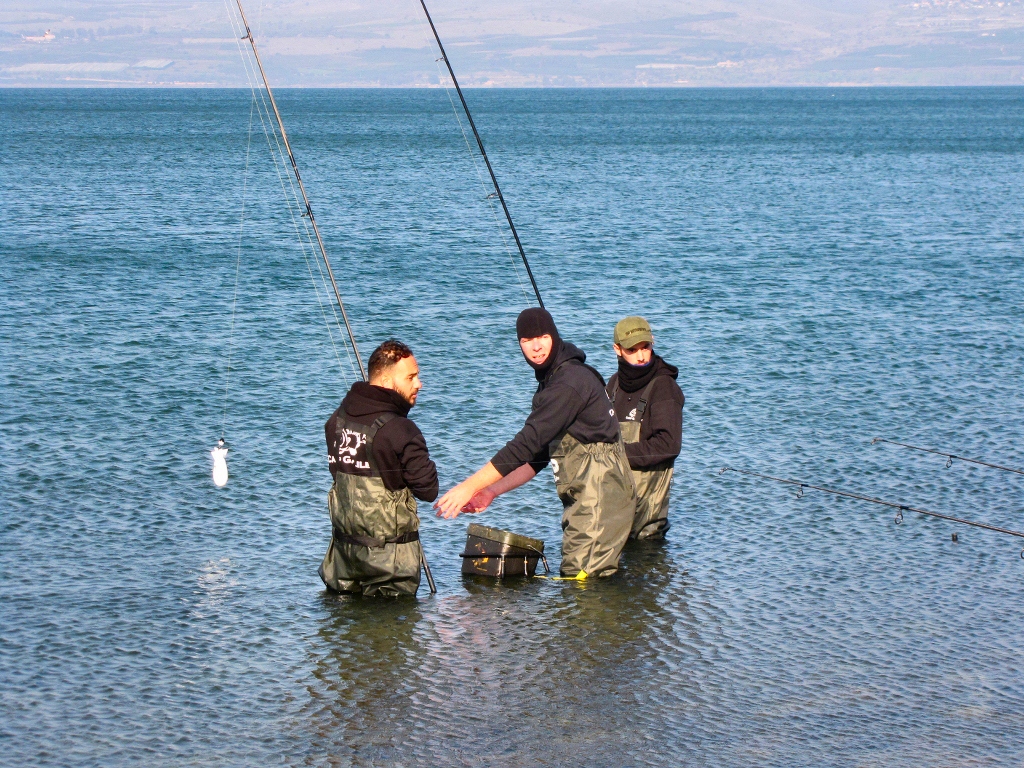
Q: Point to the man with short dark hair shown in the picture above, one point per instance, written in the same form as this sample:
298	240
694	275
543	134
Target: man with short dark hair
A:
573	426
649	407
380	461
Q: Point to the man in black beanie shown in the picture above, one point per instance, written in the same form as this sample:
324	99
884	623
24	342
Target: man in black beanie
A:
572	426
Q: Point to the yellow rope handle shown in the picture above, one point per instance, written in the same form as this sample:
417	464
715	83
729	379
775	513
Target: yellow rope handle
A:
581	576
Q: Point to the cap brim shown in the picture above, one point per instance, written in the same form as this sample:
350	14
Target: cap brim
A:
635	338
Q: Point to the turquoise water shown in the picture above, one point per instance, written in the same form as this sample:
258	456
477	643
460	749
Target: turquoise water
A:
824	267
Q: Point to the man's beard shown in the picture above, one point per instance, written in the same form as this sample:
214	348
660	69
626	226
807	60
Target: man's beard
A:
408	395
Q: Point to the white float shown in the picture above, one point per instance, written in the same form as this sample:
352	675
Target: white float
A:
220	464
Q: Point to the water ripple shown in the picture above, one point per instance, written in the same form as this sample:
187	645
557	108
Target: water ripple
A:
824	268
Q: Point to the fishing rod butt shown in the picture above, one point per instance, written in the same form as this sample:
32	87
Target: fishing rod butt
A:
426	571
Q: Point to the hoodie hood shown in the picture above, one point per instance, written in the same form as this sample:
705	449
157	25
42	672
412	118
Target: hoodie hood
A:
565	351
368	399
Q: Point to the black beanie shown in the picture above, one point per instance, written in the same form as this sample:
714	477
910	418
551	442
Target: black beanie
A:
534	322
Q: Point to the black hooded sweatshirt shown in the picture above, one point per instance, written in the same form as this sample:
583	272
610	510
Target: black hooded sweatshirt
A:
399	449
661	430
570	398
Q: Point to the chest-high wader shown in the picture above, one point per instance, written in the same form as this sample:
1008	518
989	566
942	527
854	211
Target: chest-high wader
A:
375	547
594	483
652	486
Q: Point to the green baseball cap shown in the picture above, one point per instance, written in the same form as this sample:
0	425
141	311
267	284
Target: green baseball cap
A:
631	331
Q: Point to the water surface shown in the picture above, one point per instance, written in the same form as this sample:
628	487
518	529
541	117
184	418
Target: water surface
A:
823	266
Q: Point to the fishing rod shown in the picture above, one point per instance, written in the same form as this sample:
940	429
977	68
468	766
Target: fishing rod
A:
309	210
901	508
949	456
483	152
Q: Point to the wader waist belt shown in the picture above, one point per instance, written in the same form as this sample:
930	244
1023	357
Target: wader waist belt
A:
597	448
372	543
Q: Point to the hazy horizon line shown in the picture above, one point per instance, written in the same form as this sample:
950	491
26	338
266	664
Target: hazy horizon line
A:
724	87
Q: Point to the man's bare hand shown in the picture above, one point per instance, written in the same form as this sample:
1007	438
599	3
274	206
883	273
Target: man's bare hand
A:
452	503
481	500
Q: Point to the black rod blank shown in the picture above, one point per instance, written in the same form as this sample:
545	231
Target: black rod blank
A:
483	153
901	507
949	456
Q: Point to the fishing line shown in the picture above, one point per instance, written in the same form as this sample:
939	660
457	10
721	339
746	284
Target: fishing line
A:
287	186
901	508
483	154
949	456
301	188
488	196
290	194
238	261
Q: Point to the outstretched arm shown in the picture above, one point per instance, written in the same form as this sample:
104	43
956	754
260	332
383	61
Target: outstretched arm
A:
450	505
483	498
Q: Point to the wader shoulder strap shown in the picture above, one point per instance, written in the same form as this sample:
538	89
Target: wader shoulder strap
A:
379	422
613	387
371	433
641	406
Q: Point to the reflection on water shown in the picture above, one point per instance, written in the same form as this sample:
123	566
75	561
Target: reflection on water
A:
363	699
524	669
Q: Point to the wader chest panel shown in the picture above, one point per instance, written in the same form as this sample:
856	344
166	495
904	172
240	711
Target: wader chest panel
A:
375	544
652	486
599	501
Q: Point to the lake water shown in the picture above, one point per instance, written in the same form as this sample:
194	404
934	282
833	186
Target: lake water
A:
824	266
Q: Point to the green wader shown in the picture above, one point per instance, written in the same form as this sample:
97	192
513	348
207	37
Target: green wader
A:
599	500
652	487
375	547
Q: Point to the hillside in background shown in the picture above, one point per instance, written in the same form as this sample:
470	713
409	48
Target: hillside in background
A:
519	43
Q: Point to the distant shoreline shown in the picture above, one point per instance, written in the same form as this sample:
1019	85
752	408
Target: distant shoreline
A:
212	87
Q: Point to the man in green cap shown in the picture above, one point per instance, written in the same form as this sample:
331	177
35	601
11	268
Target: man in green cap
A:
649	407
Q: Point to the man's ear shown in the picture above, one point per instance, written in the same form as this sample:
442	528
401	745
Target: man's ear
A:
618	350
